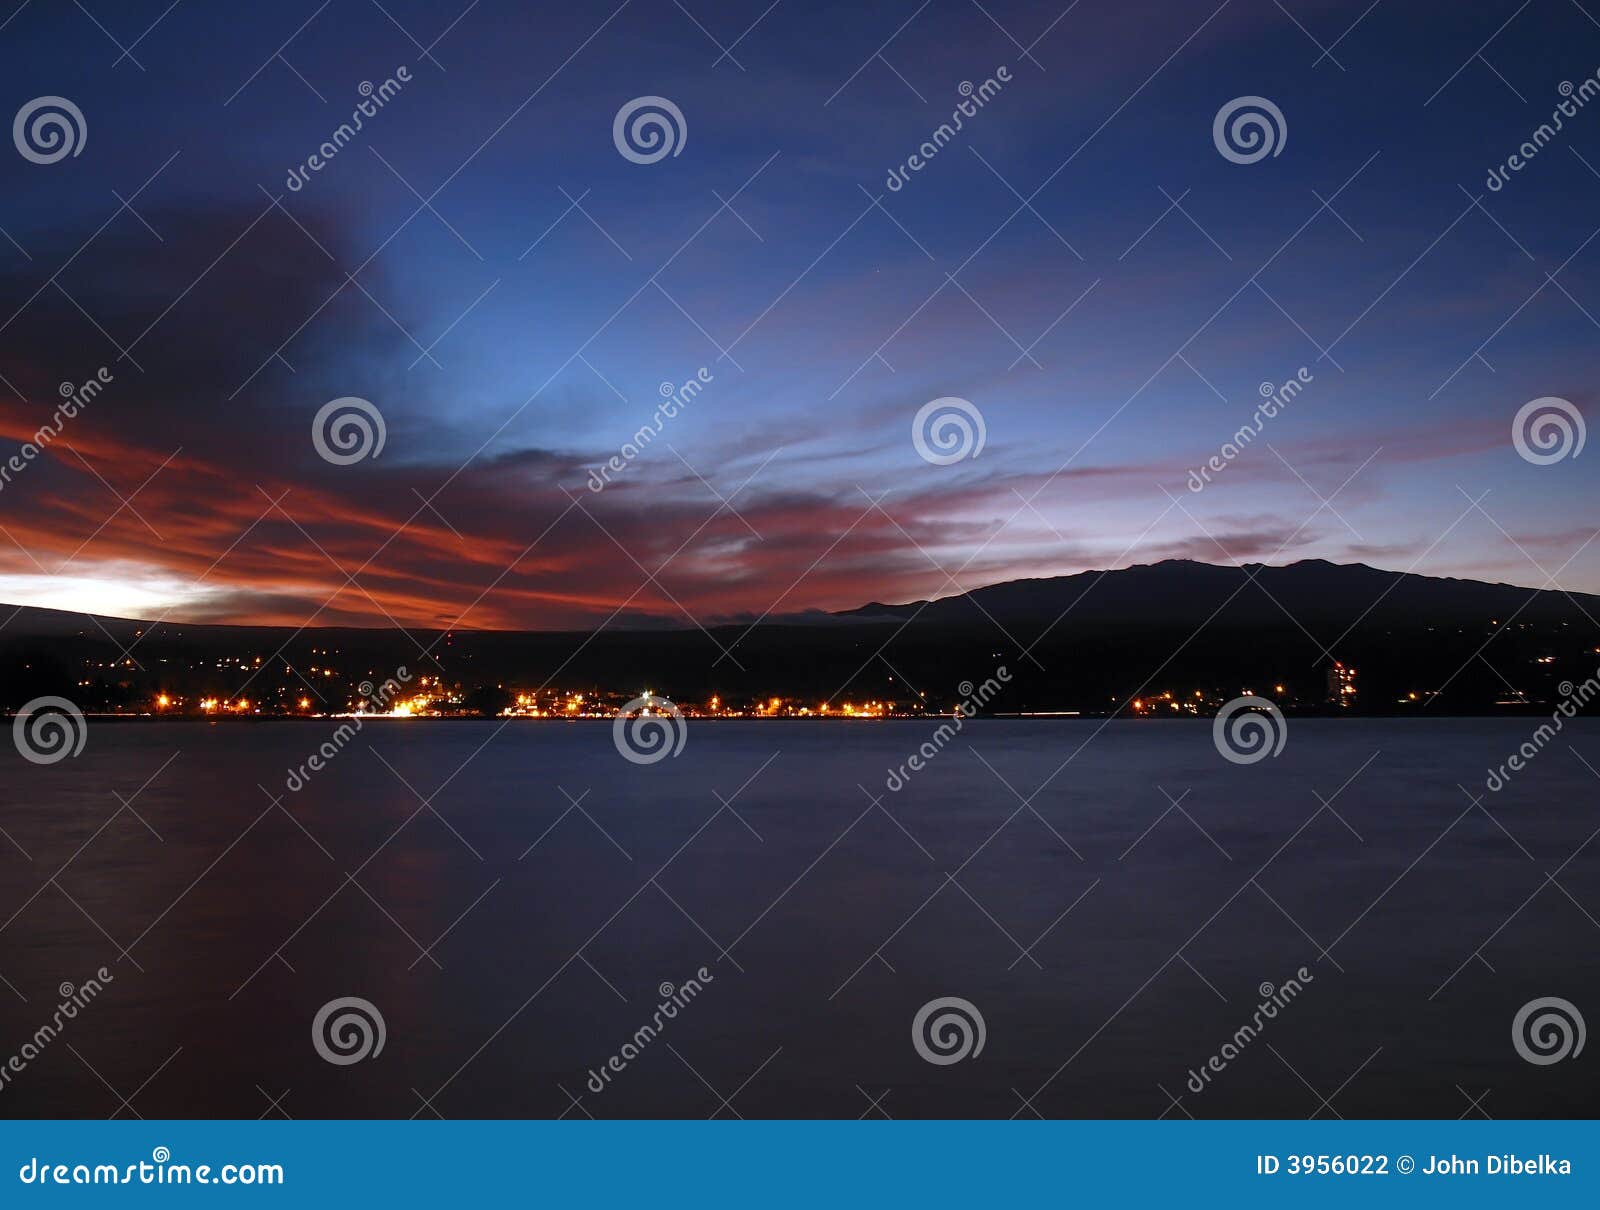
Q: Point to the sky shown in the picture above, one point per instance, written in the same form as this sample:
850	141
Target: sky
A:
511	291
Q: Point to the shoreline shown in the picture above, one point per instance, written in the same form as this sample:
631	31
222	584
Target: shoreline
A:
1063	716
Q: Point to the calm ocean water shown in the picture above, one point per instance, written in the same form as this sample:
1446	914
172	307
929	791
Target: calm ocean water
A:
511	900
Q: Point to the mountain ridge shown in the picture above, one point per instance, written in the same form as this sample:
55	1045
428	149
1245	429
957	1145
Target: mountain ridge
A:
1306	590
1320	587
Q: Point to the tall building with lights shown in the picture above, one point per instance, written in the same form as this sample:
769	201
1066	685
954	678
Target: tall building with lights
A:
1341	684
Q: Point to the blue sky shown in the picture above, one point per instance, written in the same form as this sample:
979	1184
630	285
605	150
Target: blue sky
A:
1113	332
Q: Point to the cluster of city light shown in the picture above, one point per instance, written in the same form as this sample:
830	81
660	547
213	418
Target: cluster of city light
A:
1341	692
556	705
432	698
1169	702
165	703
780	707
212	705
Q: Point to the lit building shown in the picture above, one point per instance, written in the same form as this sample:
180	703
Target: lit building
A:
1341	684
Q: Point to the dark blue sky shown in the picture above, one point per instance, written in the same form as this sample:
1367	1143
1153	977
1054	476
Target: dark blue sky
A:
1113	332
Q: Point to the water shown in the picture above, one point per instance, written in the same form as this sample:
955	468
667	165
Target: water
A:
511	901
